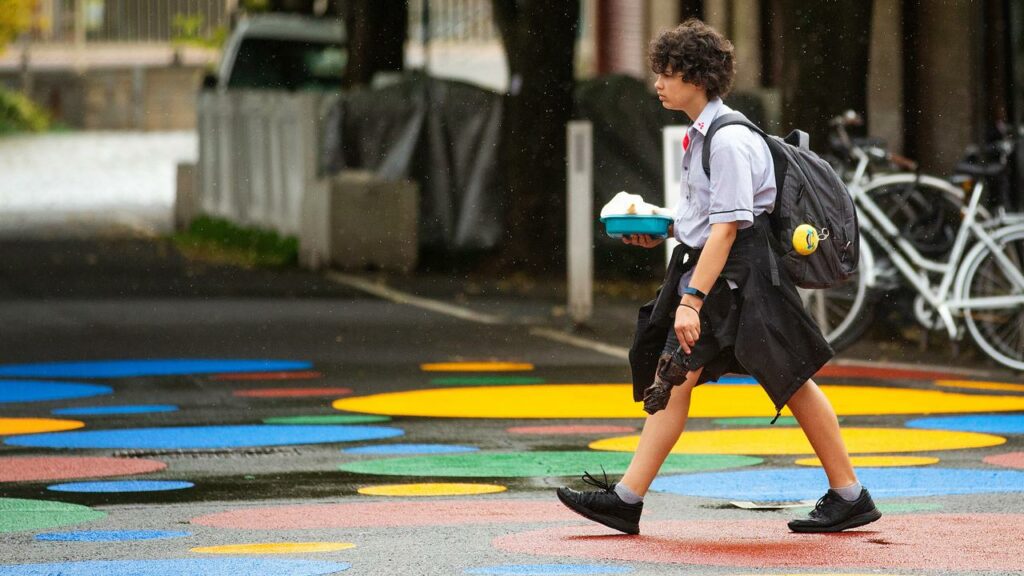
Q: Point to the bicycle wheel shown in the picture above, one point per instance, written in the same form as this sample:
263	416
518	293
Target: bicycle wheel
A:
926	210
842	312
998	331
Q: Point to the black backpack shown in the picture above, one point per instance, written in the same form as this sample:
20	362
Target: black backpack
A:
809	192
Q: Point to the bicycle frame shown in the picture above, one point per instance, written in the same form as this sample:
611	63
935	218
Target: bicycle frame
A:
915	267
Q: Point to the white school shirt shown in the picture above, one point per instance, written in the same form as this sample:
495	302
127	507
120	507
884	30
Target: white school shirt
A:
742	184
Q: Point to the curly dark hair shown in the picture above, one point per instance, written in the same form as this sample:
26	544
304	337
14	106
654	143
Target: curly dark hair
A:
700	53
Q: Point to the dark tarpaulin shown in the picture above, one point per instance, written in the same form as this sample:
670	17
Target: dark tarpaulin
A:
441	133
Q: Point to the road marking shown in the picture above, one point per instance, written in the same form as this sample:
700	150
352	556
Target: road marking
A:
559	336
398	297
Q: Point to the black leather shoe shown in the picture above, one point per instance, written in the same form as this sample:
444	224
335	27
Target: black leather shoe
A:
604	506
834	514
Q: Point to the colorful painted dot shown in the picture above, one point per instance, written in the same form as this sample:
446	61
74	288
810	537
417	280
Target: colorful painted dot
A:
755	421
992	423
891	507
105	410
1010	460
17	515
878	373
477	367
550	569
615	401
735	380
121	486
291	392
179	567
34	468
41	391
109	535
877	461
392	513
1006	386
304	375
793	484
485	380
411	449
929	542
139	368
198	437
11	426
431	489
793	441
319	419
569	430
275	548
539	463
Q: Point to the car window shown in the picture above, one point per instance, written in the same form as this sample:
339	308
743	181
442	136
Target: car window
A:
288	64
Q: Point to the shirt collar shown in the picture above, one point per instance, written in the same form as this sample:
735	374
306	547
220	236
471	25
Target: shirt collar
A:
709	113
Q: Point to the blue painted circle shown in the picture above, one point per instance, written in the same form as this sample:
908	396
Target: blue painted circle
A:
178	567
197	437
124	409
109	535
810	483
121	486
411	449
41	391
989	424
735	380
550	569
137	368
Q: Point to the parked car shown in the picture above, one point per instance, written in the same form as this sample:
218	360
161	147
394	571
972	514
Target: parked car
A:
283	51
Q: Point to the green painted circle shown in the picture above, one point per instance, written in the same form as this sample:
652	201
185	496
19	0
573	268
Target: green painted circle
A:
756	421
18	515
328	419
485	380
527	464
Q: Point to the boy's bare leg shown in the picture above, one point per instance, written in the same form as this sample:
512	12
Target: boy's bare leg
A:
818	420
660	433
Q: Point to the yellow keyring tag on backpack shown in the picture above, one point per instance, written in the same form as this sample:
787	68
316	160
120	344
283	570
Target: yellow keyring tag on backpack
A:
805	239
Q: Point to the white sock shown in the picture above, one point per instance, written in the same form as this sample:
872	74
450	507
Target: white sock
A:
627	495
849	493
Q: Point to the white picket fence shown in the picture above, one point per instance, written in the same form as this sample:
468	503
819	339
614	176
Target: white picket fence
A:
258	163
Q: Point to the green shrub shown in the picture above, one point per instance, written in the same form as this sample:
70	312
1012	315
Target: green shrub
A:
218	240
19	114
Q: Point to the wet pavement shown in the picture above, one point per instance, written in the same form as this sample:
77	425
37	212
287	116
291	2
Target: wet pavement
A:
161	416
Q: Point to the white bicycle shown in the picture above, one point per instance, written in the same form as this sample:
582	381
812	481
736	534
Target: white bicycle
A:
974	280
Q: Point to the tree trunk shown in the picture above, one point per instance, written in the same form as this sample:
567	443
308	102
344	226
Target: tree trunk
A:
377	30
824	62
540	41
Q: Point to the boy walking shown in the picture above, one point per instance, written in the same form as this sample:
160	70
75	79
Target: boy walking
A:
724	307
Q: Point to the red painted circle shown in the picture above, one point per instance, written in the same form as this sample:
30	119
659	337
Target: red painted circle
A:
31	468
307	375
389	514
963	542
879	373
291	392
571	429
1011	460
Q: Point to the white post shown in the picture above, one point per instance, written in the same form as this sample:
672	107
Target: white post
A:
672	163
579	212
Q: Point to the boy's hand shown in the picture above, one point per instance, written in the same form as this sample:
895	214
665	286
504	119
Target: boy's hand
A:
643	240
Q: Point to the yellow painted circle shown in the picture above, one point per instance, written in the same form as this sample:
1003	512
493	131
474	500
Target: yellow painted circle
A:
805	239
981	385
877	461
431	489
616	401
476	367
755	441
275	548
12	426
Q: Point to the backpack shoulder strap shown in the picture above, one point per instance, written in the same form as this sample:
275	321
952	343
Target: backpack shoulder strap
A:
717	124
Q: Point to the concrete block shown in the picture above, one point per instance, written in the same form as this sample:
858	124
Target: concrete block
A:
186	200
374	222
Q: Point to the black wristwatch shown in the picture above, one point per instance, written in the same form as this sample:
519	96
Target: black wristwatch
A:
690	290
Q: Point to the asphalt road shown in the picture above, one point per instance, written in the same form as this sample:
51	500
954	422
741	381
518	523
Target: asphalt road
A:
131	300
